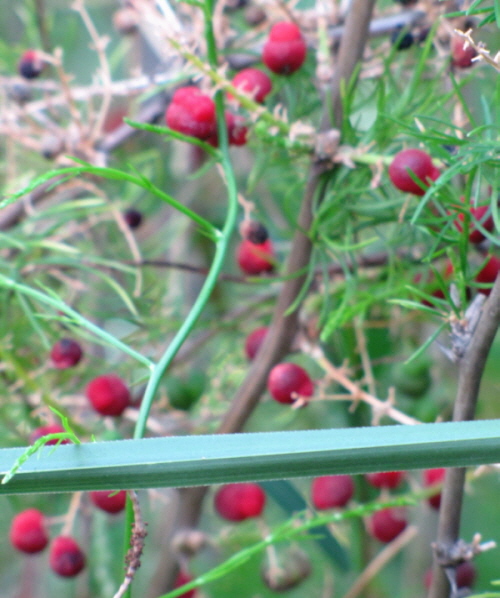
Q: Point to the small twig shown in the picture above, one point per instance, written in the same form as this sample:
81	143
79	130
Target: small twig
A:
133	557
379	407
381	560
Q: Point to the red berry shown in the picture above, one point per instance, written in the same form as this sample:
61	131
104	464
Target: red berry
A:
108	500
416	161
461	53
465	575
285	50
386	524
287	380
254	341
31	64
27	531
385	479
253	82
237	502
133	218
236	131
108	394
431	477
331	491
66	353
182	578
66	557
255	258
478	214
49	429
488	273
191	112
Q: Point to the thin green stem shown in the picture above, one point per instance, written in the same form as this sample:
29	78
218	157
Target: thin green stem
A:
222	243
56	303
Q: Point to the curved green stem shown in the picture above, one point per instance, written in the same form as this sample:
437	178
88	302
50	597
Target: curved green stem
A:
222	243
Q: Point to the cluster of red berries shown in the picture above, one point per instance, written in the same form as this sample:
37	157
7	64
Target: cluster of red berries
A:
335	491
192	112
28	534
412	171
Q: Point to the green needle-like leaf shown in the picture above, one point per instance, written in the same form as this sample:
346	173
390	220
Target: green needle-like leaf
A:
199	460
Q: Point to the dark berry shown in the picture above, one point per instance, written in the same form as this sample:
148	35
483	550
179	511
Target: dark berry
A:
191	112
431	477
236	502
401	38
288	381
254	341
328	492
31	64
386	524
465	575
45	430
133	218
285	50
488	273
255	258
108	394
108	500
462	53
254	231
66	353
253	82
385	479
27	531
66	557
417	162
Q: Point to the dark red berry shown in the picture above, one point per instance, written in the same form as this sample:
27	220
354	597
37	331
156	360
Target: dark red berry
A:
462	53
477	214
330	491
254	341
287	381
27	531
236	502
431	477
417	162
386	524
108	500
465	575
108	394
401	38
66	353
133	218
385	479
191	112
253	82
488	273
66	557
254	231
45	430
285	50
255	258
183	578
31	64
236	130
